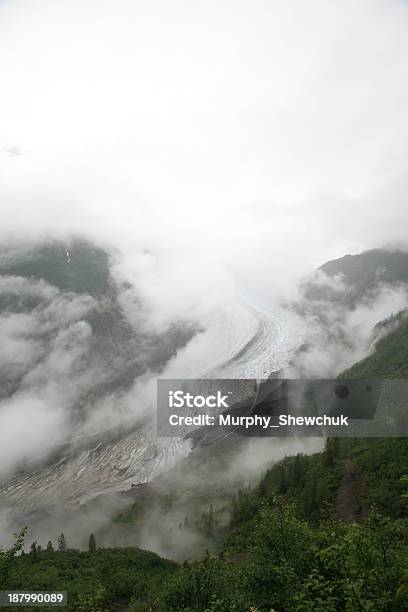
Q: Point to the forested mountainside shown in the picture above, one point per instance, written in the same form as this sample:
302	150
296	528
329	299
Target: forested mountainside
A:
347	304
76	265
365	270
355	278
58	284
323	532
73	341
390	357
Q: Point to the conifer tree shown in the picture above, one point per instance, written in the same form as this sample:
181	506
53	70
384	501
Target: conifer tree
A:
331	451
62	543
92	543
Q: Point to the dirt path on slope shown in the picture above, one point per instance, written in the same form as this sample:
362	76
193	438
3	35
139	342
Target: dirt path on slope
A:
349	504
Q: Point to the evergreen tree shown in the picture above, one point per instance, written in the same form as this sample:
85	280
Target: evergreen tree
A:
372	459
282	480
297	470
62	543
331	451
7	558
262	488
92	543
50	547
310	501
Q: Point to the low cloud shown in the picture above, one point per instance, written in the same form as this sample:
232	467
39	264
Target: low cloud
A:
217	151
339	335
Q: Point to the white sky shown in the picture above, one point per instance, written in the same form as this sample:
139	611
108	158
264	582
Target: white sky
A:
220	144
258	137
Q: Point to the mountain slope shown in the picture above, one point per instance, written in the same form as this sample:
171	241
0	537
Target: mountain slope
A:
352	279
369	268
76	265
73	345
323	532
389	358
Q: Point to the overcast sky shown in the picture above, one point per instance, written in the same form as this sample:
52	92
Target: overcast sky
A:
225	146
258	138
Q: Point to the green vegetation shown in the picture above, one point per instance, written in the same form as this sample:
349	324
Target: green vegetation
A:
103	579
365	270
84	270
287	565
7	558
359	275
285	547
320	533
390	358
